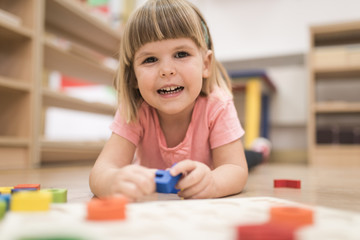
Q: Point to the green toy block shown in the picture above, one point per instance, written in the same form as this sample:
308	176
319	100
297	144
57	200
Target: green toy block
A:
59	195
2	208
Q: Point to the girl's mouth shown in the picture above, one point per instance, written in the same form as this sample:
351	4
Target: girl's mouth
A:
170	90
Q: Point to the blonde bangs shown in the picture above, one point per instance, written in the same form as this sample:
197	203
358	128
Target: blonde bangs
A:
156	22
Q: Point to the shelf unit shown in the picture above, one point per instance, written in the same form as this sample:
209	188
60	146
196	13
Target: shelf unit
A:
334	99
26	53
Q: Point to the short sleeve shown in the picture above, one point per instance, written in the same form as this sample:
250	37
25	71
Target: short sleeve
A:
224	124
130	131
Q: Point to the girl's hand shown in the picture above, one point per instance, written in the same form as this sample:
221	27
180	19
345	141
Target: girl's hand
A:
197	180
133	181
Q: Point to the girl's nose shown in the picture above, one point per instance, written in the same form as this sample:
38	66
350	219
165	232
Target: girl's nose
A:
165	74
167	71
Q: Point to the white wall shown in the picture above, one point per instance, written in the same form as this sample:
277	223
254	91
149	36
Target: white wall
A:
251	28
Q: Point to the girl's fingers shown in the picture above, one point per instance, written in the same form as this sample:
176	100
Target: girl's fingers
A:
189	180
183	167
194	190
129	189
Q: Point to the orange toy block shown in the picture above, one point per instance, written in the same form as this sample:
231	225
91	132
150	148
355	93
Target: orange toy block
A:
103	209
37	186
294	216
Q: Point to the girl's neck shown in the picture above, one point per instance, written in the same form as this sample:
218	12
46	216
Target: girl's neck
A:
175	126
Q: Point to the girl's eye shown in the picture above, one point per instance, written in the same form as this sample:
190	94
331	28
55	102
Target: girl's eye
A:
181	54
150	60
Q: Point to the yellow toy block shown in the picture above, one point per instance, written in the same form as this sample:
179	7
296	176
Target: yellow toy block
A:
6	190
31	201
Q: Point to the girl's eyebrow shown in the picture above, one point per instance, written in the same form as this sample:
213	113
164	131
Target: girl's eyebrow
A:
143	54
176	48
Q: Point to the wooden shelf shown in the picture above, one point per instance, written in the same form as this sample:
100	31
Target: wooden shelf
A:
333	72
337	107
336	34
14	142
56	99
60	151
56	58
31	37
13	84
12	32
71	19
326	75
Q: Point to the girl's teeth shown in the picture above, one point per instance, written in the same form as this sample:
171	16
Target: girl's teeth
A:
169	90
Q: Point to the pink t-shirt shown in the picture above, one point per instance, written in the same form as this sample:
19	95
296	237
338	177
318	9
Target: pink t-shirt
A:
214	123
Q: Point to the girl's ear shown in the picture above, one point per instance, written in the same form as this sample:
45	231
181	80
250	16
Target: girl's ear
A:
207	63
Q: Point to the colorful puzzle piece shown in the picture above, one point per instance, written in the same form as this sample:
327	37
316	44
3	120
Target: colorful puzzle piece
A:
165	182
31	201
3	206
266	231
6	190
282	225
27	185
59	195
112	208
293	216
7	199
285	183
16	190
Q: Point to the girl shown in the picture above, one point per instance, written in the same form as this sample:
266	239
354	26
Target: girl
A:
175	107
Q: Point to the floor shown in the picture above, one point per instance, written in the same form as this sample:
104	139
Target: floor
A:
330	187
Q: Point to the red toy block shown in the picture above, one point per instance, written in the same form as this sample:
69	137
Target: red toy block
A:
266	231
37	186
285	183
103	209
294	216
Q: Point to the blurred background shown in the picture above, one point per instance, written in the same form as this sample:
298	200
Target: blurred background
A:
295	67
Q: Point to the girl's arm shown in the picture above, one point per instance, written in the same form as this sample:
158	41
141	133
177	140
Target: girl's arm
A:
228	177
114	173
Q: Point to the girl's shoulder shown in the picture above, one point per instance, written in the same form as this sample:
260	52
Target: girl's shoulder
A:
215	102
219	96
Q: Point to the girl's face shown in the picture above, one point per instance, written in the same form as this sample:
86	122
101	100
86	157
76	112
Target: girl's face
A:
170	74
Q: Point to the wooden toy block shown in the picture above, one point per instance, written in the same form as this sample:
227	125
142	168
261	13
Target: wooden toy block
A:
65	237
104	209
7	199
285	183
293	216
6	190
31	201
59	195
3	206
165	182
16	190
266	231
27	185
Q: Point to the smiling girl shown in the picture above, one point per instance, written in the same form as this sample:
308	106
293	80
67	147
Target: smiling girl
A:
175	106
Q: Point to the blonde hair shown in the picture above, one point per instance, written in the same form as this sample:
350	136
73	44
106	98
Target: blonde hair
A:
158	20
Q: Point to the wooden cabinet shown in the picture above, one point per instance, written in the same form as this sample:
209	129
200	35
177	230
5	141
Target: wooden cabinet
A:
27	51
17	64
334	94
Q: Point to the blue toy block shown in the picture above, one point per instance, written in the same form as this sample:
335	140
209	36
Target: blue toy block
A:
165	182
7	199
16	190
